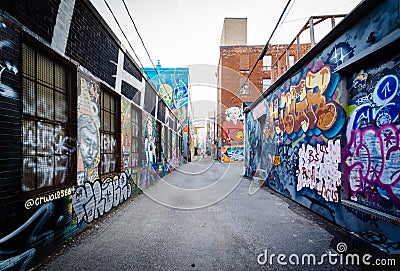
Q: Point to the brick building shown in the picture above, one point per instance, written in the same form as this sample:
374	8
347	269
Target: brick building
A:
82	129
234	92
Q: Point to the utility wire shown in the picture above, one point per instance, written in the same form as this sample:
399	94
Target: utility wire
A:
145	48
120	28
264	51
123	33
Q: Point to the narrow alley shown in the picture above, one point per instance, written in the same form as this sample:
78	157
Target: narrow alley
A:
228	232
199	135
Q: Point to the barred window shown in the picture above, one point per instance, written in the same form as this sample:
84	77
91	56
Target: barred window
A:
135	136
108	133
46	151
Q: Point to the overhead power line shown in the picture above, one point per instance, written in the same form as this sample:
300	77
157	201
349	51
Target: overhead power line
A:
144	46
130	45
264	51
123	33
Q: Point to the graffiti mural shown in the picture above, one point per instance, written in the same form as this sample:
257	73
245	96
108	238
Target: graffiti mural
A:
126	133
30	240
373	150
88	130
93	200
319	169
174	161
172	85
340	53
150	135
232	153
284	170
8	66
253	142
309	108
233	126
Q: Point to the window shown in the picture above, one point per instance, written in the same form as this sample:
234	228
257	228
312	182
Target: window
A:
267	62
244	63
46	152
291	61
109	121
266	83
135	136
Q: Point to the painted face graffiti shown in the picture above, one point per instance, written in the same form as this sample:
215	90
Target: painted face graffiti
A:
88	139
233	126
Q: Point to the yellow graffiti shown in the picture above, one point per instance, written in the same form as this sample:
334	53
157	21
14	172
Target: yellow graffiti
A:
303	107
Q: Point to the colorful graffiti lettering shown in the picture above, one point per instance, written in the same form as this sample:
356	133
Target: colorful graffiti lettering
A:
232	153
373	151
319	169
372	159
308	108
92	200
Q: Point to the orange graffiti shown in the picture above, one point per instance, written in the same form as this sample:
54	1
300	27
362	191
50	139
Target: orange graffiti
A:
277	160
303	107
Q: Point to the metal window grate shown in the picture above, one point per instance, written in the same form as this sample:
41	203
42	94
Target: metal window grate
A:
135	137
45	120
108	134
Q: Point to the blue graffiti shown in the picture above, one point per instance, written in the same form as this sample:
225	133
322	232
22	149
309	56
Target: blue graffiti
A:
16	250
386	89
235	153
340	53
253	145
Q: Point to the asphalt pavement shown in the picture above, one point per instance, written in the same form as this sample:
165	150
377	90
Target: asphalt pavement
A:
205	216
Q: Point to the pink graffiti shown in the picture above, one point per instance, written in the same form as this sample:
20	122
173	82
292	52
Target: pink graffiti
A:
318	169
372	159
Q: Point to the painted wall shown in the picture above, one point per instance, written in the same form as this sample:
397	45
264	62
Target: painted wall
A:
232	149
173	86
38	219
330	139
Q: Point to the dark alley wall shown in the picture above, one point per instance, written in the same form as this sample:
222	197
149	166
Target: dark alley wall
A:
326	134
76	138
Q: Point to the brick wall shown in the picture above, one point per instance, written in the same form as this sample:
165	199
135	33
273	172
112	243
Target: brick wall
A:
37	15
10	123
90	45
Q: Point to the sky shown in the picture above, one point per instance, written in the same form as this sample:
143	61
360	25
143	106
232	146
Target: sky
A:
187	33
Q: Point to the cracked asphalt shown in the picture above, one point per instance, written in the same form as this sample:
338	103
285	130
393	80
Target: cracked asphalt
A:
202	217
